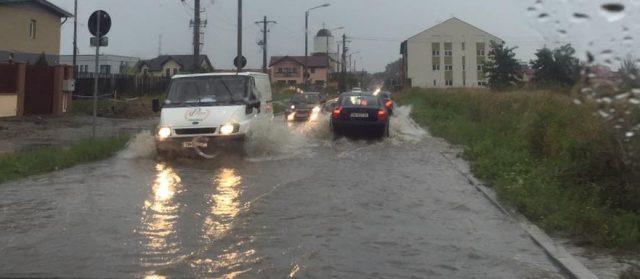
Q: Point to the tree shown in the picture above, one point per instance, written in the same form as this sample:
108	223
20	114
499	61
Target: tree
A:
630	73
390	75
556	67
502	68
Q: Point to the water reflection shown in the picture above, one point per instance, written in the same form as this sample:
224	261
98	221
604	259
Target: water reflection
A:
224	204
224	207
159	217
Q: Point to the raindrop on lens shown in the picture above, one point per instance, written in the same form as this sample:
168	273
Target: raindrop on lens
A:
580	17
543	17
613	11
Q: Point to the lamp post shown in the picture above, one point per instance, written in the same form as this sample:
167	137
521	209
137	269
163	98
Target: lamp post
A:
306	42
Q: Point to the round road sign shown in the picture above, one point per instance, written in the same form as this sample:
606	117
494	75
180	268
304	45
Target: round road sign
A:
105	23
236	61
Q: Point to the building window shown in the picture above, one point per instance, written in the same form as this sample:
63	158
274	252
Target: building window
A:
480	67
175	71
464	67
32	29
167	72
105	69
145	71
279	70
463	46
464	83
434	82
436	53
448	67
481	52
312	70
448	53
436	67
448	82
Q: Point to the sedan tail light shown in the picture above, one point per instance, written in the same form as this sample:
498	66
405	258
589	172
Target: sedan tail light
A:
382	115
389	104
336	113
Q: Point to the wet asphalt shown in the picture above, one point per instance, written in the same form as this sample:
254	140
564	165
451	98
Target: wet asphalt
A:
298	205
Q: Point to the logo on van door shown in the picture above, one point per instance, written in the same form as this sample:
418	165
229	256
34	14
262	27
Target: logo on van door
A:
196	114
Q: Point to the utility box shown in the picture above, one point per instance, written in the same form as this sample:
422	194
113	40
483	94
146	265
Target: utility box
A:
69	85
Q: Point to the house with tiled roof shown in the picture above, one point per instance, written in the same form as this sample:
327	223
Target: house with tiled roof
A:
290	69
169	65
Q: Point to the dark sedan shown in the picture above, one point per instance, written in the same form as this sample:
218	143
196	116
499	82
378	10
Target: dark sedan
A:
304	107
360	112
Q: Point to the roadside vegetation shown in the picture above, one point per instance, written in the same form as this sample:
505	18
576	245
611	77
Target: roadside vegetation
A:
51	158
560	164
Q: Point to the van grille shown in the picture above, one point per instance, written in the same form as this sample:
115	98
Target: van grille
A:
195	131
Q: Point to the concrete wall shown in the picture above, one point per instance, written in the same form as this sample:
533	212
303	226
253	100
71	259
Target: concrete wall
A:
14	29
8	105
420	58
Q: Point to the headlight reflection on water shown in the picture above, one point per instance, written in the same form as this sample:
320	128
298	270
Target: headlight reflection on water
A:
159	217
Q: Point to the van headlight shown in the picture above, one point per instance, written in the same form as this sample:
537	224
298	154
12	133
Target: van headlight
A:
316	110
164	132
229	129
293	106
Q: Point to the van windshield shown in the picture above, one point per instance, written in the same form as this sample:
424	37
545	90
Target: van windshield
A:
210	90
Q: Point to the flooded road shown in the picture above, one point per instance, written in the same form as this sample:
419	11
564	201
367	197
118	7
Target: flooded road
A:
299	206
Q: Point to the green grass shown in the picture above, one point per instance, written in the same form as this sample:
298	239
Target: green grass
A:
46	159
135	108
556	162
279	108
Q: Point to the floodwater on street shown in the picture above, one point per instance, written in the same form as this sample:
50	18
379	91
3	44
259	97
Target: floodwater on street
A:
298	205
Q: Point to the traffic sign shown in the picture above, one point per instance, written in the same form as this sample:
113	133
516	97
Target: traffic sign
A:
105	23
104	41
236	62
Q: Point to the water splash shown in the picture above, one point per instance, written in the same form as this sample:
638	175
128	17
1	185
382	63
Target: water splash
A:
403	129
141	146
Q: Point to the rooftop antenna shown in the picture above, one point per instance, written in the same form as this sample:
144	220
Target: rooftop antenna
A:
160	45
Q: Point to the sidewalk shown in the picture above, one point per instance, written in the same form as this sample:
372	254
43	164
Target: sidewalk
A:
17	134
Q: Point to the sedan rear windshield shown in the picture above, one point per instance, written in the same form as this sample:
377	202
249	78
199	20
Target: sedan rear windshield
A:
360	101
305	99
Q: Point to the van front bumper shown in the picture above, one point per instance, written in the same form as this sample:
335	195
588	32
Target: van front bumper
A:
202	142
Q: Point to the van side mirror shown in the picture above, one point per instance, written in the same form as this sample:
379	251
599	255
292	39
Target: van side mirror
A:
155	105
251	106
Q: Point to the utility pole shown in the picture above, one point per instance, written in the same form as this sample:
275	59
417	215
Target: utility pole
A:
96	79
197	25
196	36
75	39
239	66
265	30
343	88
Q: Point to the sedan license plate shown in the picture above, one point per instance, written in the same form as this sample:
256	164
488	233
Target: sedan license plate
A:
191	144
359	115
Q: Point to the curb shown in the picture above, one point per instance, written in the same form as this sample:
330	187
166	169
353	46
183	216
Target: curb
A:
556	252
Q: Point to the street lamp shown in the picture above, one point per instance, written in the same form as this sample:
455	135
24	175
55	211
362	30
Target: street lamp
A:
306	41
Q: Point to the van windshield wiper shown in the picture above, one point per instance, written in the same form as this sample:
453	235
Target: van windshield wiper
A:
224	83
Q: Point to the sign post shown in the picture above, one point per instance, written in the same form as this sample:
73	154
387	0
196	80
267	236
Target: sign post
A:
99	25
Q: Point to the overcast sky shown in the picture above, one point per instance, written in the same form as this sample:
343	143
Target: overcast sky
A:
377	26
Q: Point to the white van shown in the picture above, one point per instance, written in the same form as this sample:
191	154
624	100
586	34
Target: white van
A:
209	110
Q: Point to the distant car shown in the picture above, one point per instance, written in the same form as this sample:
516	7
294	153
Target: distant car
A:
356	89
360	112
304	107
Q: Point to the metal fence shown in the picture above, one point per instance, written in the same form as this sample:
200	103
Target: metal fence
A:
8	75
121	85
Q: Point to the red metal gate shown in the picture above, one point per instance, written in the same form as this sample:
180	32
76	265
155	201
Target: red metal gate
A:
38	93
